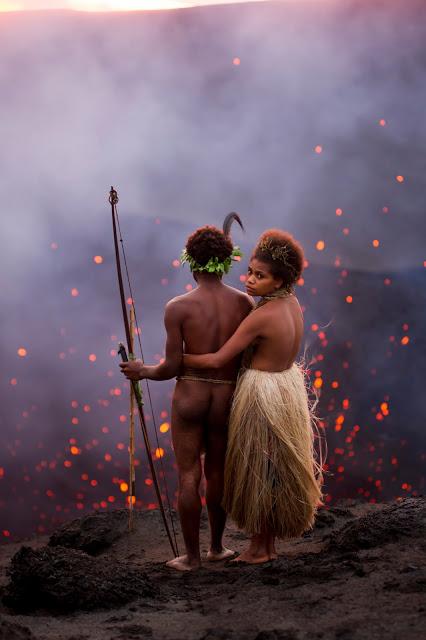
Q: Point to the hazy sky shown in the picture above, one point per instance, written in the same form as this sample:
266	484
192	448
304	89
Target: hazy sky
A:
108	5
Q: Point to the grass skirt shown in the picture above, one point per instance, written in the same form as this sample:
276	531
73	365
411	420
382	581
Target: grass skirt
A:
272	478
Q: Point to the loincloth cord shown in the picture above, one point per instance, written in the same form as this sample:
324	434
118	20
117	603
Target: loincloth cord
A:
213	380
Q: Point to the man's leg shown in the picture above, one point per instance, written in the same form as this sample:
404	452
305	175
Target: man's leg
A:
187	434
214	467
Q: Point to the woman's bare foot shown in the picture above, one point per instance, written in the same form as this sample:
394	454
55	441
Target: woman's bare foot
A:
183	564
216	556
254	558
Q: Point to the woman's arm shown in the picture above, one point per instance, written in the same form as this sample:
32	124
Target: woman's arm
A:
137	370
248	331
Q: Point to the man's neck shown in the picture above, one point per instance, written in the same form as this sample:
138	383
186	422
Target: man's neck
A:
208	280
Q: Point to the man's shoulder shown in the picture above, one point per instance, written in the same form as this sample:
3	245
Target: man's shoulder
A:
241	296
179	304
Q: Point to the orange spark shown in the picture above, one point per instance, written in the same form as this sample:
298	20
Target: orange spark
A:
98	259
22	352
400	178
320	245
92	357
375	243
318	149
164	427
339	212
349	299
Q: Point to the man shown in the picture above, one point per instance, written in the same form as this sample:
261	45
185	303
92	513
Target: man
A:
200	321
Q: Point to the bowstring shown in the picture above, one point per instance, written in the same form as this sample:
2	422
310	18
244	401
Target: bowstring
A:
146	381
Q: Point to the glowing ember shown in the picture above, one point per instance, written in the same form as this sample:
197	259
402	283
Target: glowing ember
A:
320	245
339	212
375	243
22	352
400	178
164	427
92	357
159	452
318	149
382	122
349	299
405	340
124	487
98	259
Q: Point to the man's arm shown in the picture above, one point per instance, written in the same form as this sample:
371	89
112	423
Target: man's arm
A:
249	330
136	370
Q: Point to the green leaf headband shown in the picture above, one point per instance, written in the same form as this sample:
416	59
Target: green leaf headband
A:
214	265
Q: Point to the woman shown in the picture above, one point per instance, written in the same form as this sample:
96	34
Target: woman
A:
272	478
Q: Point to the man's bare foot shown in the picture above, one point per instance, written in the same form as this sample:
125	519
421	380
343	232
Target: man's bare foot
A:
251	558
216	556
183	564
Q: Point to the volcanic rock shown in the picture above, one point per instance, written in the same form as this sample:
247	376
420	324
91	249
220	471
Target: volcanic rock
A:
14	631
402	519
93	533
63	580
359	576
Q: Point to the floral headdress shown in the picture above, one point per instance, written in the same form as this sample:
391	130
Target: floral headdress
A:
214	265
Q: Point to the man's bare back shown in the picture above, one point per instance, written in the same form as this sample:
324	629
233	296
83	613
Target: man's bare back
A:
200	410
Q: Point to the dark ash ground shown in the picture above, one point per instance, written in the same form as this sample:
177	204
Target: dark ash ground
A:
359	575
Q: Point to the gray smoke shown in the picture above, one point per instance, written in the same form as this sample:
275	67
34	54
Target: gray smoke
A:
155	104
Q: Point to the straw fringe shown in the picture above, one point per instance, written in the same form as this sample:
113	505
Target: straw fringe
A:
272	476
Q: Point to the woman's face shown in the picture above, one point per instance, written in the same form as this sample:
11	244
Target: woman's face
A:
260	281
